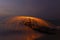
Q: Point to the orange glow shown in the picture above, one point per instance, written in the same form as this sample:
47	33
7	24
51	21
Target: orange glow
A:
31	34
26	18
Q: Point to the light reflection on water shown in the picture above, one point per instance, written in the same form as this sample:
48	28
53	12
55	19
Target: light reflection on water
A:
20	35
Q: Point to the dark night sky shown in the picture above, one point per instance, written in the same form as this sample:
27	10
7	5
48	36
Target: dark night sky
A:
39	8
